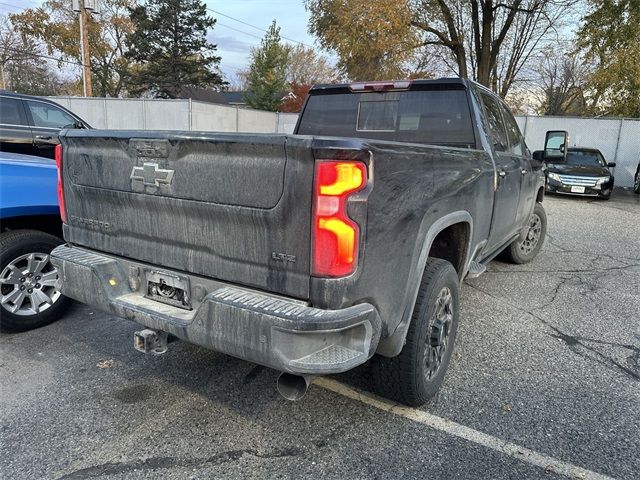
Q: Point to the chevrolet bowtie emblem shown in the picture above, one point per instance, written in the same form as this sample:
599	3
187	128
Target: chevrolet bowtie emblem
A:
149	174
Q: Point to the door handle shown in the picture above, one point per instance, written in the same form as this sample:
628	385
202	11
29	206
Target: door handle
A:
524	172
502	173
43	137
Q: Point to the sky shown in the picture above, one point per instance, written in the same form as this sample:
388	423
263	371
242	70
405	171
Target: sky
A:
241	24
234	39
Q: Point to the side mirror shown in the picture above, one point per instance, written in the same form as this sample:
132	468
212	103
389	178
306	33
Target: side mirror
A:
555	145
611	164
79	124
538	155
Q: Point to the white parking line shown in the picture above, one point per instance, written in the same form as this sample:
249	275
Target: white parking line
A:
452	428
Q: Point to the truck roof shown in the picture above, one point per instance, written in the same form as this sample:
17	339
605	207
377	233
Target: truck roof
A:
337	87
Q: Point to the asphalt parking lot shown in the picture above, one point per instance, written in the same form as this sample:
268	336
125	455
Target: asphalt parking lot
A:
545	383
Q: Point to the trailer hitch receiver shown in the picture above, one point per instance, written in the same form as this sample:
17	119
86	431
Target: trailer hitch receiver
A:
150	341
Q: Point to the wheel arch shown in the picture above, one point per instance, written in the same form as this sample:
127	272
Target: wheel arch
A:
454	230
51	224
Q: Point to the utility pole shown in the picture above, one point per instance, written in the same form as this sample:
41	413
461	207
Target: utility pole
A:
84	8
84	51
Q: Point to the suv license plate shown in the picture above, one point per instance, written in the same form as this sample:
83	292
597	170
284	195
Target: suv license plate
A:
577	189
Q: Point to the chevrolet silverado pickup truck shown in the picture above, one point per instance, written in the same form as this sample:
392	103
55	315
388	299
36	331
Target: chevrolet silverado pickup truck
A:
309	253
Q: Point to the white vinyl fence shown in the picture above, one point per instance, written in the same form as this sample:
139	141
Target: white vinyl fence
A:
618	139
158	114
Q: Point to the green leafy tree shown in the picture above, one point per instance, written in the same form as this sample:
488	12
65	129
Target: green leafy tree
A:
267	76
610	37
170	48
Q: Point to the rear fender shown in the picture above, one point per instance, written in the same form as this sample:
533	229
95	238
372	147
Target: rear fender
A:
392	345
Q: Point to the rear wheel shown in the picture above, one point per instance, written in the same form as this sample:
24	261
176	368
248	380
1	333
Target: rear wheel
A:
636	183
416	374
523	251
28	294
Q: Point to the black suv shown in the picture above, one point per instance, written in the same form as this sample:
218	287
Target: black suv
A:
30	125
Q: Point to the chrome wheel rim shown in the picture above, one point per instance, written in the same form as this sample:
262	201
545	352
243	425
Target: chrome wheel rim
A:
28	285
532	239
439	331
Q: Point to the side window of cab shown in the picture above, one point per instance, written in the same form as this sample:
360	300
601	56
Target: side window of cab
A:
513	132
495	122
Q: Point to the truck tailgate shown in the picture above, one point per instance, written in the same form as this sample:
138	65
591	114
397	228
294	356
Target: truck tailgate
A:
235	207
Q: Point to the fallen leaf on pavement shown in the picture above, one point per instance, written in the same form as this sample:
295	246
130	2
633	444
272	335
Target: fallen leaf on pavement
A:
105	364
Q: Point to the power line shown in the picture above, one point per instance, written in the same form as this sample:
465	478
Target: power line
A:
237	30
39	55
210	9
253	26
16	7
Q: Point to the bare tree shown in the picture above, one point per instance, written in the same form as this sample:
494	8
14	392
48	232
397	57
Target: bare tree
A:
562	84
305	65
238	81
23	67
10	48
490	41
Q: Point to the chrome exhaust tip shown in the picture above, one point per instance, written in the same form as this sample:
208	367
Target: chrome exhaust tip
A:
293	387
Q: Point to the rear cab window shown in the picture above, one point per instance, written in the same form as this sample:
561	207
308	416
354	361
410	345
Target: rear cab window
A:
439	116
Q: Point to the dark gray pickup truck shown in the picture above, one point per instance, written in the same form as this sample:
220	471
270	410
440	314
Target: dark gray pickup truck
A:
309	253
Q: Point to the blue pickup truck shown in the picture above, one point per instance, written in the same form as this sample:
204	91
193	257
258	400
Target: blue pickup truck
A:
30	229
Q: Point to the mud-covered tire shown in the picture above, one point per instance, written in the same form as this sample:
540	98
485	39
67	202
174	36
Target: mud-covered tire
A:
407	378
523	251
14	245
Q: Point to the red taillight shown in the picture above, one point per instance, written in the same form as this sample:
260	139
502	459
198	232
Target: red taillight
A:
335	235
63	211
